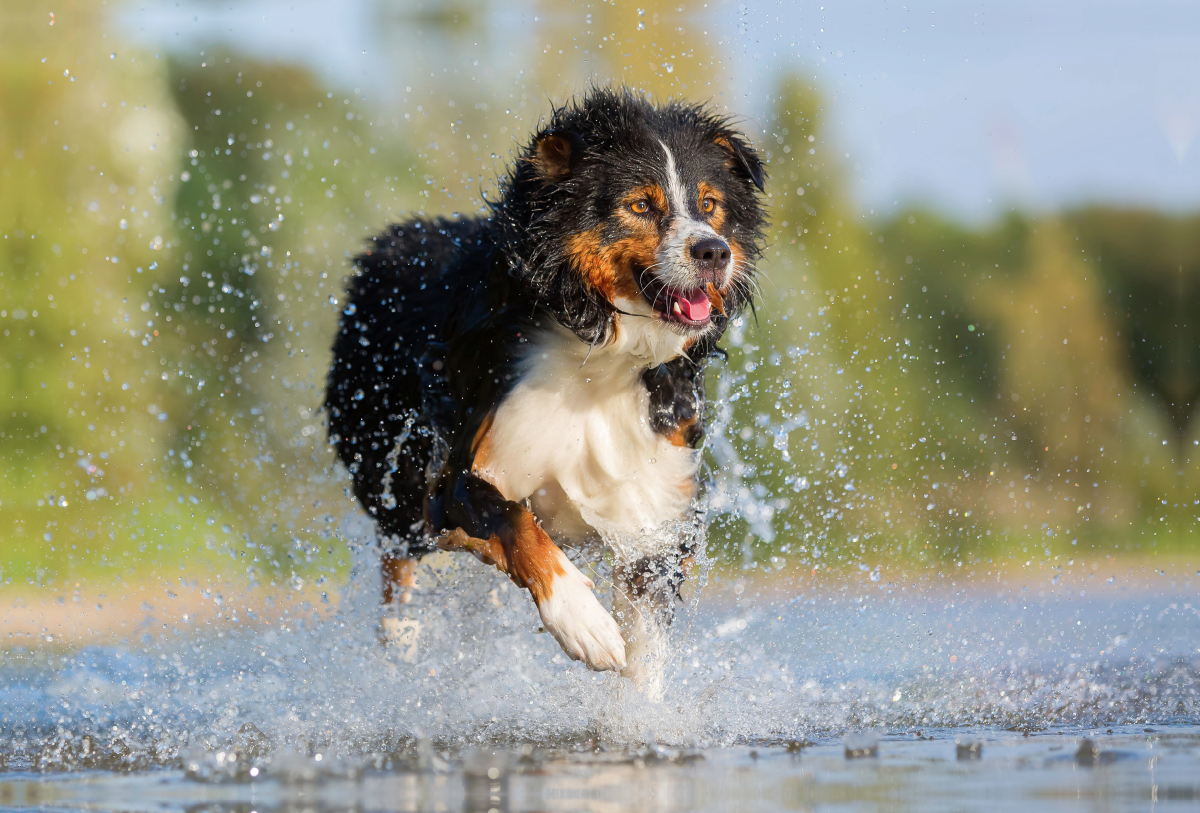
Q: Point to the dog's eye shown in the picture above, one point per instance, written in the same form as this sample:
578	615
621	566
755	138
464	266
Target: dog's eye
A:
707	205
639	207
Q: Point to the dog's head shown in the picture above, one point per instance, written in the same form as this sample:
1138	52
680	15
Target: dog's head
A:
641	223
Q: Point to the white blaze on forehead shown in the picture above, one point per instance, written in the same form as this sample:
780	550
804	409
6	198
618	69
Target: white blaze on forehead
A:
683	232
684	224
676	192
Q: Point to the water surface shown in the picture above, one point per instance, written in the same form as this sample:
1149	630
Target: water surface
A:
292	705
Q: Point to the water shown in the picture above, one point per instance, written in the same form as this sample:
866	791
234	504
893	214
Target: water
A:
770	680
252	681
1124	770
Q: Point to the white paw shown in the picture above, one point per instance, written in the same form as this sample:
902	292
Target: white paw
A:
580	624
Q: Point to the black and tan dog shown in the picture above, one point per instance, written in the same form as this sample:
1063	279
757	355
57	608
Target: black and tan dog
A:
500	383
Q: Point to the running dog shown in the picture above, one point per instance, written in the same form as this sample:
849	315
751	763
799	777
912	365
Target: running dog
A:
507	383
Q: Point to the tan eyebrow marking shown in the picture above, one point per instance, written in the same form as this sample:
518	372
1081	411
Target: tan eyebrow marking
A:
707	190
651	192
717	218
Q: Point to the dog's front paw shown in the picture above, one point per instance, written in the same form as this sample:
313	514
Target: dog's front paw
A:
583	628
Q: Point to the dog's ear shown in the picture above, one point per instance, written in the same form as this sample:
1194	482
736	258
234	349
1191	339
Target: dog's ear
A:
745	159
556	155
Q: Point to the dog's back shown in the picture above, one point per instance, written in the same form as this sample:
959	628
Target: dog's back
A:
391	412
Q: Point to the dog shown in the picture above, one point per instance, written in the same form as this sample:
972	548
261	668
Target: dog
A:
502	384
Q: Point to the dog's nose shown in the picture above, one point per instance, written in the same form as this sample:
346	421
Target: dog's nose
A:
711	255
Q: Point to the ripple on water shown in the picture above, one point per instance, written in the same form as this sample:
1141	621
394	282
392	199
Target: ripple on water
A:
784	667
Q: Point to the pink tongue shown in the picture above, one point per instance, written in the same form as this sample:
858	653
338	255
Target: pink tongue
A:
694	305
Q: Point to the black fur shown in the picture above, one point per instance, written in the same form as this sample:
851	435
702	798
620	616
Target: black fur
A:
434	318
677	398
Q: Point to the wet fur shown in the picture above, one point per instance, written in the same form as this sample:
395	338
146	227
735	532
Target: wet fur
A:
447	322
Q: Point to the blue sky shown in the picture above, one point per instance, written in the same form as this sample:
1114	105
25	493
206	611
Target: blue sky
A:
970	107
973	106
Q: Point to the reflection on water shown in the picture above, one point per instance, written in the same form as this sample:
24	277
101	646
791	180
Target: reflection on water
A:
751	663
1111	770
315	716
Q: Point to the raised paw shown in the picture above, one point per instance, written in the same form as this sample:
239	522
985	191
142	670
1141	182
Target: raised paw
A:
583	628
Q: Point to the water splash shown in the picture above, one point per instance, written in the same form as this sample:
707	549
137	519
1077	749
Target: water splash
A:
742	662
744	667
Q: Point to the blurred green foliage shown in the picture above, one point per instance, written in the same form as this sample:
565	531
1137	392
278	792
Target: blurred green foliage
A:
176	229
173	254
954	393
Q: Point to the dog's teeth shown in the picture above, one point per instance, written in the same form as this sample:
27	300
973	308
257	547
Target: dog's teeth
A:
675	307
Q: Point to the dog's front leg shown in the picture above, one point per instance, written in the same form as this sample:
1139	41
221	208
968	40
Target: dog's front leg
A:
645	591
506	534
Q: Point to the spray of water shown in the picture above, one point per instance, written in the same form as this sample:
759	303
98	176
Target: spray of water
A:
730	667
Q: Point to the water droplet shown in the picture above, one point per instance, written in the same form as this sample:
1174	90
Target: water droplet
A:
358	395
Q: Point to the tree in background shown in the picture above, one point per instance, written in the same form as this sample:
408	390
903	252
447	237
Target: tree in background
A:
169	301
910	389
89	138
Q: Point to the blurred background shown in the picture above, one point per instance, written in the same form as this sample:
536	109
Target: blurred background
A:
977	340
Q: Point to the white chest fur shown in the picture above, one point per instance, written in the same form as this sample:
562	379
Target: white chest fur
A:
575	438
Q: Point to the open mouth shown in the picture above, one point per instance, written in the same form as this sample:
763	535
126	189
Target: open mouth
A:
691	307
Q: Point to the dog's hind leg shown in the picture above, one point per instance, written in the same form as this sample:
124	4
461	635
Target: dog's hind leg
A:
399	576
396	629
506	534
